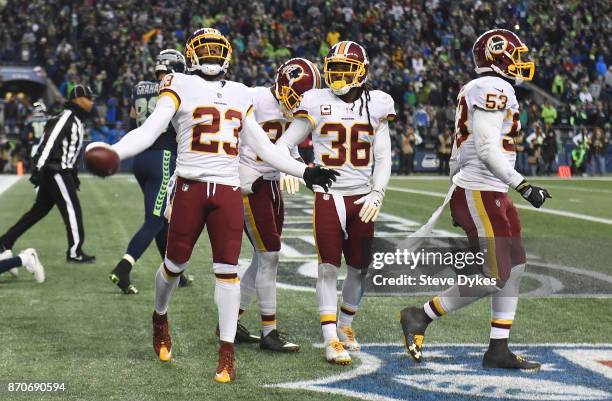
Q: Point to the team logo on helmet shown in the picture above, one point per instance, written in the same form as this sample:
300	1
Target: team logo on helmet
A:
293	79
501	51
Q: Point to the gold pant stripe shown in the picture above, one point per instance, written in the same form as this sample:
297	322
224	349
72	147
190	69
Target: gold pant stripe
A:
251	225
490	234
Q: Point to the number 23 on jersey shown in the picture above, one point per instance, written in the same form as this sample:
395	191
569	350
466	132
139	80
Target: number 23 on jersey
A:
211	135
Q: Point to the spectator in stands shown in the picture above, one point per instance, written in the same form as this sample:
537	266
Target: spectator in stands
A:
549	114
534	155
408	144
585	96
521	155
549	151
599	146
421	122
445	143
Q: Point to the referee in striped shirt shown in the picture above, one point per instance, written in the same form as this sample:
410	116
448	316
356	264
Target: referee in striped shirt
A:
55	175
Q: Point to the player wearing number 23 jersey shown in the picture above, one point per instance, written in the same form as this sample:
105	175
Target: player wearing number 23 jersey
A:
350	133
211	116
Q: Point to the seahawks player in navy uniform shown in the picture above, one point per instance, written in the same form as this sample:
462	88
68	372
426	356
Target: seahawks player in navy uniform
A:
152	169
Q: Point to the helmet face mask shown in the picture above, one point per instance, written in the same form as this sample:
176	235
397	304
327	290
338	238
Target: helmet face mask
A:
345	67
208	51
502	52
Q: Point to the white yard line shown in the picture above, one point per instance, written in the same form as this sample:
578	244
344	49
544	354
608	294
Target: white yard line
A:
7	181
551	178
555	212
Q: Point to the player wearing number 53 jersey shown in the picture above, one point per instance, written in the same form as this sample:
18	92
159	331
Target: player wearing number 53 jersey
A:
263	200
210	116
482	169
349	125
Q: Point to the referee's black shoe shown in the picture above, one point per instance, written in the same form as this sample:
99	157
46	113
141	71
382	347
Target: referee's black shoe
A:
81	258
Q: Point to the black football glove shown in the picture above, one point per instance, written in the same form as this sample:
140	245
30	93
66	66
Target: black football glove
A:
35	177
534	195
317	175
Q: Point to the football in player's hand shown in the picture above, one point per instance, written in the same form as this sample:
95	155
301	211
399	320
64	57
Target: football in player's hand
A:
101	159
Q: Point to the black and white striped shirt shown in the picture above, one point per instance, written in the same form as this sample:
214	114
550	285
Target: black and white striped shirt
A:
61	143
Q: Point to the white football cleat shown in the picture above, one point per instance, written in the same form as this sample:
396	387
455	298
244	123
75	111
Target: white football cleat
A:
7	254
335	353
346	335
30	260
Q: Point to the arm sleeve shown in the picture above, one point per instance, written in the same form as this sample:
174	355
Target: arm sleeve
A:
257	140
486	125
453	163
297	132
382	158
144	136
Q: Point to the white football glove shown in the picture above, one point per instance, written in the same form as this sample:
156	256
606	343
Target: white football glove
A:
371	206
290	183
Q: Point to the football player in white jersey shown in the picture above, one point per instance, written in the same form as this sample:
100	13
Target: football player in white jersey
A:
264	210
350	132
210	116
482	170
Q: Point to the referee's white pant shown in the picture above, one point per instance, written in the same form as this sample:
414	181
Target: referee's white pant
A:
56	188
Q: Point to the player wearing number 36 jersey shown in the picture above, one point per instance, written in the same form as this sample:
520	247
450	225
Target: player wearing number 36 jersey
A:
350	133
211	116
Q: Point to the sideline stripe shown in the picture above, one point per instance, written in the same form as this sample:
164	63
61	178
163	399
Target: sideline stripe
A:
555	212
7	181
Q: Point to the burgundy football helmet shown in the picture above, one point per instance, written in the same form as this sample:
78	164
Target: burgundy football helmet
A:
293	79
501	51
345	67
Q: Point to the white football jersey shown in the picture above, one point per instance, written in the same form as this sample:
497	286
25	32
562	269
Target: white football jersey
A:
343	137
486	93
273	122
208	123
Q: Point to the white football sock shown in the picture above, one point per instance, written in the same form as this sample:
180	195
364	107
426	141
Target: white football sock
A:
164	286
327	298
247	282
456	297
265	285
352	292
227	299
504	303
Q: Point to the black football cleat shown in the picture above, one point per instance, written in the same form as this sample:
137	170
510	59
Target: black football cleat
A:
120	276
243	335
414	323
507	360
81	258
185	280
274	341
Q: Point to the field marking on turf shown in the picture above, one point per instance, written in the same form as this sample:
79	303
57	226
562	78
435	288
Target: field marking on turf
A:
446	178
490	385
579	189
7	181
524	207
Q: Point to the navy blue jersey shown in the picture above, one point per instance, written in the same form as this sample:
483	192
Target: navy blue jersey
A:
144	99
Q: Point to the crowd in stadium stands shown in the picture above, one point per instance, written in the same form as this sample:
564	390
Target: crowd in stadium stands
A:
420	53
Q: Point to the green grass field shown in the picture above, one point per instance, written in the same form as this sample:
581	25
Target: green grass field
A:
76	327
